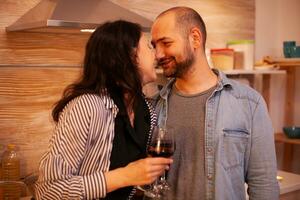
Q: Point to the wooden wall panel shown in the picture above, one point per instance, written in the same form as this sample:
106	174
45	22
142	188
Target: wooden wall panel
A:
28	93
225	20
41	48
35	48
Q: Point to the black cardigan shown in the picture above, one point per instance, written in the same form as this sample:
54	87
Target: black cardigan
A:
129	142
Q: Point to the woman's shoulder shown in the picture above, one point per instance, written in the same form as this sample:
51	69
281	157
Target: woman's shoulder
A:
88	100
86	103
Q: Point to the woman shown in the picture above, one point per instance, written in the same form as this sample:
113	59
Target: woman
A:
98	148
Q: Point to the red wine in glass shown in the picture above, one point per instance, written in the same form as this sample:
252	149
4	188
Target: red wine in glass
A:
163	148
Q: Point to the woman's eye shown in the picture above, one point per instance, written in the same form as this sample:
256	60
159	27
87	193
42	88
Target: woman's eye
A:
150	46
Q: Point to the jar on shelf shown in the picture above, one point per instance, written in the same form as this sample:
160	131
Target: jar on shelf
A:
244	53
222	59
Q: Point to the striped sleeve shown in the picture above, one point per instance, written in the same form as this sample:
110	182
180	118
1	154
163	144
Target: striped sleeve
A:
94	185
78	157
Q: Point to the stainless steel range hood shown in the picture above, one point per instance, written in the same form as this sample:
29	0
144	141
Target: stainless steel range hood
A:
71	16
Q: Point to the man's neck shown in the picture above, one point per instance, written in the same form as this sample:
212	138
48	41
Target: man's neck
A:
198	79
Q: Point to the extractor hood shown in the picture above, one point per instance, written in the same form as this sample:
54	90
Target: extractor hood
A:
73	16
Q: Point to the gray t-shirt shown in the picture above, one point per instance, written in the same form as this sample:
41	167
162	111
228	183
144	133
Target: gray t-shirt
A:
186	119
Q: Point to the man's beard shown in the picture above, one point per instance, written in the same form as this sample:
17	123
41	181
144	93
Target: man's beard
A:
179	69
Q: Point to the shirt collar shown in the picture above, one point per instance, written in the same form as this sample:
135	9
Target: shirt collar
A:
223	82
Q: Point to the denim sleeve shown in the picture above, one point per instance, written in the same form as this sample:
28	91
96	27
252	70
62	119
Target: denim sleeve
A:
262	168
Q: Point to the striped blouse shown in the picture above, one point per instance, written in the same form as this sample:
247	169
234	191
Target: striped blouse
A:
79	151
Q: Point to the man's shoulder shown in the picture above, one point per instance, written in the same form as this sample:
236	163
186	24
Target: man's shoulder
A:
244	91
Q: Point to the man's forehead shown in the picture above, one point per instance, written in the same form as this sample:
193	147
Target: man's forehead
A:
166	19
162	27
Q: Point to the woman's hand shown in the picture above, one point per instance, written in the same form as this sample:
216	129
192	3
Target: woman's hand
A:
140	172
145	171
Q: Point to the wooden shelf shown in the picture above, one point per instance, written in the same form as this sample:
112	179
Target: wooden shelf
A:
281	137
289	65
294	62
246	72
255	71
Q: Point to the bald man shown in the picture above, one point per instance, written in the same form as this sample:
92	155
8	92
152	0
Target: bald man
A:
224	136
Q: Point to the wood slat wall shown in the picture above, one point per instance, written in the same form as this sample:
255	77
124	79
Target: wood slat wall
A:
35	48
225	20
28	93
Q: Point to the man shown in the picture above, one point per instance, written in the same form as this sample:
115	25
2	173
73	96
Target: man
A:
224	136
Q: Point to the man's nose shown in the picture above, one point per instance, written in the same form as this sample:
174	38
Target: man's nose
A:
159	53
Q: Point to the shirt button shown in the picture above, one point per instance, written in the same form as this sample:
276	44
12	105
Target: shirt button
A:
209	149
209	177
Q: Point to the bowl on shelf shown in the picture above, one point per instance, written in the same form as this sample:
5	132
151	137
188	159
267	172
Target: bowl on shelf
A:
295	52
292	131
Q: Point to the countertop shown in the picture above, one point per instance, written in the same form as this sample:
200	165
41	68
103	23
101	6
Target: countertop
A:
289	183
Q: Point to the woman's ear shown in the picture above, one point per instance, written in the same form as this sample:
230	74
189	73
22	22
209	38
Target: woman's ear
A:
196	38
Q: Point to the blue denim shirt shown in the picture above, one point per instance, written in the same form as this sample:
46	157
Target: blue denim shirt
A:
239	142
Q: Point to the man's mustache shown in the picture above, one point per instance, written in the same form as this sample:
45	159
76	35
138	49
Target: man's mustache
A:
164	61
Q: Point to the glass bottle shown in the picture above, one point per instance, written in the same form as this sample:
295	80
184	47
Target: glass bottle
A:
1	189
10	173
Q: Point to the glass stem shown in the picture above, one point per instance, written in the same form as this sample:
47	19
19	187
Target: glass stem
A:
163	176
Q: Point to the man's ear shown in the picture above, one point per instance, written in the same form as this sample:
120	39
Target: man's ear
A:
196	38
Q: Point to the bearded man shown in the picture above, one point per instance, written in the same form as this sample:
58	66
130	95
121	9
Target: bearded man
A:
223	133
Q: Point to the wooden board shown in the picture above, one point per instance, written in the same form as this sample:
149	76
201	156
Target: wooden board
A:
35	48
225	20
26	99
281	137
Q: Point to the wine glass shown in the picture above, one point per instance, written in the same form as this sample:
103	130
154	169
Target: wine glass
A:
162	144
